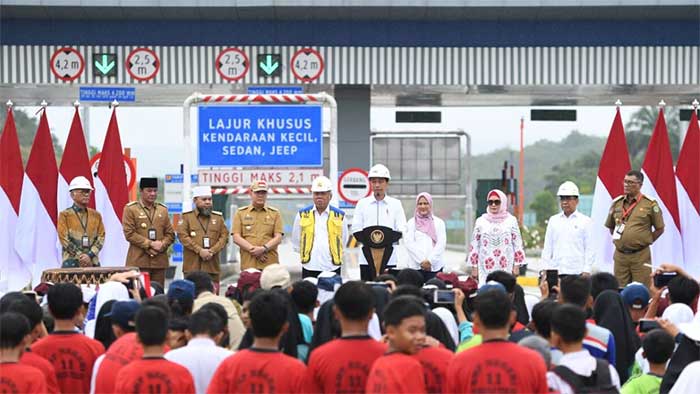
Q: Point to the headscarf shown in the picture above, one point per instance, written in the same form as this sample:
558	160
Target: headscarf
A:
425	224
107	291
502	213
435	327
327	326
448	318
609	311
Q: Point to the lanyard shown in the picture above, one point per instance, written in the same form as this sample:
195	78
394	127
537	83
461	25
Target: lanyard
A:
83	225
145	212
201	225
626	212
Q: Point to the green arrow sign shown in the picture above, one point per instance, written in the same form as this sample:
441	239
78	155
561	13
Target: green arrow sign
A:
105	64
269	65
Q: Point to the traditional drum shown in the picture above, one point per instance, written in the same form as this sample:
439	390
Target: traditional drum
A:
86	276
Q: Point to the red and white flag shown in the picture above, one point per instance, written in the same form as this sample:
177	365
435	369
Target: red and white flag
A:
36	240
614	164
660	185
14	275
75	162
111	195
688	187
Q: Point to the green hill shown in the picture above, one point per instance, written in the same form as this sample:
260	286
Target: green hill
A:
540	158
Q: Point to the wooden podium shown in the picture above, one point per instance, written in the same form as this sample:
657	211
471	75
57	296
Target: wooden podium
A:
377	247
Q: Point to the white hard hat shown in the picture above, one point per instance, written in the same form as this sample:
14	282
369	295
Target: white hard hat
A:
80	183
568	188
379	171
201	191
322	184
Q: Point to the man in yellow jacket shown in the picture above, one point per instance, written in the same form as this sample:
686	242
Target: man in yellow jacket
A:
320	232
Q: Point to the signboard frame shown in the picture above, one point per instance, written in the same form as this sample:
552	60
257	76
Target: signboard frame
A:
245	99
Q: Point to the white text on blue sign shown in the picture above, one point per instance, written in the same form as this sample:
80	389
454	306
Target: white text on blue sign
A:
262	135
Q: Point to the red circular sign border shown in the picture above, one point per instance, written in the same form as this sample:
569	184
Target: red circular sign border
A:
234	49
126	160
320	71
82	64
128	69
346	172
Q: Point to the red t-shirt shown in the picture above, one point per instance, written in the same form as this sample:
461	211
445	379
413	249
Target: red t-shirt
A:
342	365
43	365
122	351
154	375
21	379
72	355
497	366
434	361
396	373
258	371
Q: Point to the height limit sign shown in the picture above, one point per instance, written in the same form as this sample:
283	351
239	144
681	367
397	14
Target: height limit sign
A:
142	64
232	64
307	64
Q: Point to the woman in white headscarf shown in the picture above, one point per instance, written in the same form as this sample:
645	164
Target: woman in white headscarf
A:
425	239
496	242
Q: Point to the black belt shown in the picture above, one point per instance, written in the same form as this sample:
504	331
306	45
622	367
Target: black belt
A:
629	251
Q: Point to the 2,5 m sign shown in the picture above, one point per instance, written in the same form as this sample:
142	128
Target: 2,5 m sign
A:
260	136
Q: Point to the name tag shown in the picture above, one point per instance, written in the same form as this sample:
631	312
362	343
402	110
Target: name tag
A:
86	241
618	231
206	243
152	234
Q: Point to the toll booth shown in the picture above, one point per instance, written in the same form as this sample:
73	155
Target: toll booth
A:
437	162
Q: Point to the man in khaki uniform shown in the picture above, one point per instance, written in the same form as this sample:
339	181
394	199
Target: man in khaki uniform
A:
80	228
257	230
203	235
631	219
148	229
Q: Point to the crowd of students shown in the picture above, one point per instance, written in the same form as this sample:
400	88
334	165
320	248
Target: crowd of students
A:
320	335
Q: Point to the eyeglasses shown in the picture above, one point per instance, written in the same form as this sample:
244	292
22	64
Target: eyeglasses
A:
494	202
628	182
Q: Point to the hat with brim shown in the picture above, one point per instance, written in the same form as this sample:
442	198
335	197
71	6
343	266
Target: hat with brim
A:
258	186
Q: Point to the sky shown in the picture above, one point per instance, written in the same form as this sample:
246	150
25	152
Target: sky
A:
155	134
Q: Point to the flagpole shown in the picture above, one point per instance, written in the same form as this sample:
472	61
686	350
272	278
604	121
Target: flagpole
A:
521	173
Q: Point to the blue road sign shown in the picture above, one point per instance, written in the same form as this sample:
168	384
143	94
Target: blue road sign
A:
275	90
107	94
177	178
260	136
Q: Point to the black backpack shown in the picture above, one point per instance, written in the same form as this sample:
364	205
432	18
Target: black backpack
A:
599	382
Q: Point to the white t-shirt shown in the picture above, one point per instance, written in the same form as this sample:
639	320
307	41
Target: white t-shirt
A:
201	357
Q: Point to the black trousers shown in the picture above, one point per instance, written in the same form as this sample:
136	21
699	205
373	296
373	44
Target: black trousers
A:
314	274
